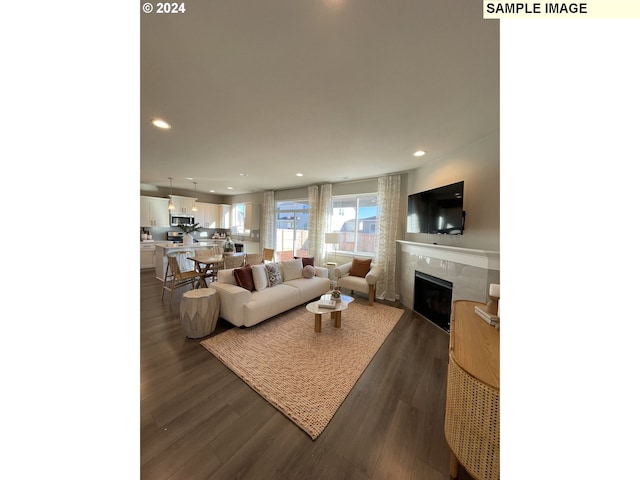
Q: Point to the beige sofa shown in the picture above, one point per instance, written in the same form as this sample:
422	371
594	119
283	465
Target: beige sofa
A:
244	308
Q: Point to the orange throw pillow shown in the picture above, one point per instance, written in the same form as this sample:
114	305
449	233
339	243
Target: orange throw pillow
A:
360	267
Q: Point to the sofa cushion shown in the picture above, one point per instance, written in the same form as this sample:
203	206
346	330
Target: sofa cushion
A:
273	274
270	302
291	269
244	277
260	280
226	276
308	271
310	288
353	282
360	267
306	261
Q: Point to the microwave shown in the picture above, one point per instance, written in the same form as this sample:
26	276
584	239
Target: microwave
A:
182	220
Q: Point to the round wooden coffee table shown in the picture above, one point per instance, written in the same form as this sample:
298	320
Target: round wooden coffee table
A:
336	313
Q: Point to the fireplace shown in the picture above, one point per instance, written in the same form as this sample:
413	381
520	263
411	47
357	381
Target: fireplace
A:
432	299
471	271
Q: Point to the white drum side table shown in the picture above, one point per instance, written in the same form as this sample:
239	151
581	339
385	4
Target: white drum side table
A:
199	311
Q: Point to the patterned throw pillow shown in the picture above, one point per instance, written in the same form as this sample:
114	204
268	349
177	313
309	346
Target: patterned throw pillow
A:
273	274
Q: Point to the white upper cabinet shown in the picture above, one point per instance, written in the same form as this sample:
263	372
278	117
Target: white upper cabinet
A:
252	216
206	214
211	215
183	204
154	212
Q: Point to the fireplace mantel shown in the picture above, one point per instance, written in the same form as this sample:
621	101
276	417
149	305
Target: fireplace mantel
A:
471	271
488	259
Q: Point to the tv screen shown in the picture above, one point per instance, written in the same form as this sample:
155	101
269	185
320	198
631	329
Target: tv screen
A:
437	211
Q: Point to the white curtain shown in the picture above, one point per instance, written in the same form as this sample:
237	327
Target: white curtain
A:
319	216
324	216
388	211
268	234
314	251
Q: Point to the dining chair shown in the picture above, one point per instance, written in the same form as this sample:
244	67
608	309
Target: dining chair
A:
254	258
234	260
179	272
268	254
203	252
216	251
208	270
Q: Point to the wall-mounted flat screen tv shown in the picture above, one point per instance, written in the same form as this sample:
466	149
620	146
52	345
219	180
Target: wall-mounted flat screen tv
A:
437	211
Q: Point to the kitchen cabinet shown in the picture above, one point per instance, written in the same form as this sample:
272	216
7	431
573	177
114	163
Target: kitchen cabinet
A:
211	215
207	214
252	216
251	247
183	204
148	254
154	212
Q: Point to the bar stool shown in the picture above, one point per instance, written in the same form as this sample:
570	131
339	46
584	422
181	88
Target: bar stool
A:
177	274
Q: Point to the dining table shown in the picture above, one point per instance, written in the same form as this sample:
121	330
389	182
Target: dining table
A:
208	266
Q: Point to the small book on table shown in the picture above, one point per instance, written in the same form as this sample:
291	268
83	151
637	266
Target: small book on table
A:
330	304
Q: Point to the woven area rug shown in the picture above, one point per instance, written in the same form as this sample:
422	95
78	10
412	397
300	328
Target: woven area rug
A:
306	375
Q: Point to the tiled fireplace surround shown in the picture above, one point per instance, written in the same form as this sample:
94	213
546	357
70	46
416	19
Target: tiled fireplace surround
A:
471	271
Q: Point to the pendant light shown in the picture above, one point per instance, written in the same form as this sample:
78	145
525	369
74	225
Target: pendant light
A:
194	208
171	205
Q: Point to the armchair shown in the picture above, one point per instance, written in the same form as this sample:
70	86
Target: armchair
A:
366	284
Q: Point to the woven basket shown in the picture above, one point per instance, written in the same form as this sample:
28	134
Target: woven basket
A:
472	423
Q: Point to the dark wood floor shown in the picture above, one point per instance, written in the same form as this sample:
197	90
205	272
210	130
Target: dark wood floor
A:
198	420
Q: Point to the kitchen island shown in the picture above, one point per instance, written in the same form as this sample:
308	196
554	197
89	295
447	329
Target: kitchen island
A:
148	253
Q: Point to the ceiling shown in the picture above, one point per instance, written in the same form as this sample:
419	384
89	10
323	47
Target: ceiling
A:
257	91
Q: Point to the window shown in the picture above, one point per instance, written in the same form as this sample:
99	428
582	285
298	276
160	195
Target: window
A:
292	229
238	215
355	217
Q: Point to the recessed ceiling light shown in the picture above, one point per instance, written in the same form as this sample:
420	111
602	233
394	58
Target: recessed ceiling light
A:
189	178
158	122
229	188
419	153
212	191
244	174
299	175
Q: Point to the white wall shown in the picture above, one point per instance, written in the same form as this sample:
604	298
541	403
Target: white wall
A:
478	164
